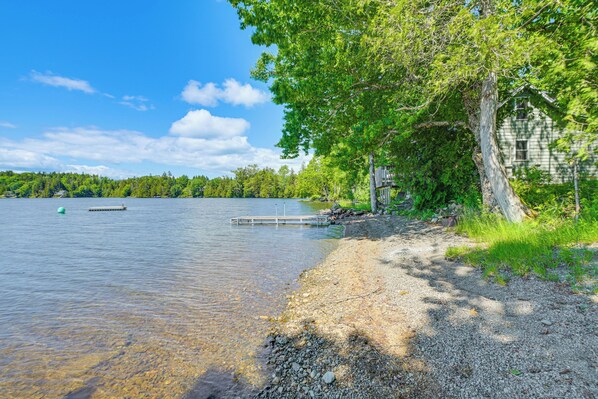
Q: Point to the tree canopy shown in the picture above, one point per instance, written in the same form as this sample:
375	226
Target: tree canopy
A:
357	75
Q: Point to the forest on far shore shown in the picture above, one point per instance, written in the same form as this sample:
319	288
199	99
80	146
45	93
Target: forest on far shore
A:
318	179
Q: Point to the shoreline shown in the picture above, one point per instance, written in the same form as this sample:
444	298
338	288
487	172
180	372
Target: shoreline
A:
385	315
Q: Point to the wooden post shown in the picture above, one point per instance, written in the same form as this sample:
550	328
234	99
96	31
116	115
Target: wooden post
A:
373	199
576	187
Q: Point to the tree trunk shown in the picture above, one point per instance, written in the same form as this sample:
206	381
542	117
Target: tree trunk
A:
471	103
576	188
488	200
509	203
373	199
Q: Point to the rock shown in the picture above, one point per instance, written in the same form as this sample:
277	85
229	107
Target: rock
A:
280	389
546	322
329	377
449	221
280	340
565	371
296	366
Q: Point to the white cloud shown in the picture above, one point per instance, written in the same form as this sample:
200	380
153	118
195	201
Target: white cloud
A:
201	123
22	158
138	103
72	149
50	79
233	92
135	98
100	170
7	125
237	94
194	93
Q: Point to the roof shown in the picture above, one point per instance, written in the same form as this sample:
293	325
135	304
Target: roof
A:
541	93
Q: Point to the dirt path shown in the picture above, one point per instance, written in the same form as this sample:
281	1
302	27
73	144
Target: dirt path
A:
386	316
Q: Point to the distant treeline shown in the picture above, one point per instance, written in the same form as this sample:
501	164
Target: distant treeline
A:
316	180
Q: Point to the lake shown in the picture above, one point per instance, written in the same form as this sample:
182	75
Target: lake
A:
142	303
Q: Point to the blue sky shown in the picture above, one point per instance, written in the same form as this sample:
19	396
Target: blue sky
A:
132	87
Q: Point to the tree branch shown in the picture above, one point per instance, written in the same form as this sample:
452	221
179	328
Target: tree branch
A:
428	125
536	15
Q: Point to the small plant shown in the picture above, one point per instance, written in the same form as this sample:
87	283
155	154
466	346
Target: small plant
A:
515	372
358	206
454	253
555	278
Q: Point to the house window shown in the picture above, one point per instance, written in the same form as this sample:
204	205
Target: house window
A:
521	108
521	150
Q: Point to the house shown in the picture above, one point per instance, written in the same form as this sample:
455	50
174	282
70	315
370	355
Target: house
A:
525	137
60	194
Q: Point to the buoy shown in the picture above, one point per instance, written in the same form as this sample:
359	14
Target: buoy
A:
61	210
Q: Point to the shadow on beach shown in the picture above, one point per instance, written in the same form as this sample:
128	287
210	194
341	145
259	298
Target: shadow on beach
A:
530	338
299	365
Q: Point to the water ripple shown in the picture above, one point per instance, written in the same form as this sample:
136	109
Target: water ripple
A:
142	302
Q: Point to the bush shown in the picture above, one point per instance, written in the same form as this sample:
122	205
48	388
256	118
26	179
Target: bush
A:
435	167
554	200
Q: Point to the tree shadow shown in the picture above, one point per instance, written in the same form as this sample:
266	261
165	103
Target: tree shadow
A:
298	366
377	227
530	338
219	384
302	366
85	392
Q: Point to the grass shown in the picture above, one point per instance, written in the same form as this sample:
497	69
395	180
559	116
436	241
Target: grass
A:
359	206
536	247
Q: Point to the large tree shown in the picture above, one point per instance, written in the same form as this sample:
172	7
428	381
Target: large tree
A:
343	69
453	48
336	100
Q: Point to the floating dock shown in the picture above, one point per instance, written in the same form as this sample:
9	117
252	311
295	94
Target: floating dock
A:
312	220
107	208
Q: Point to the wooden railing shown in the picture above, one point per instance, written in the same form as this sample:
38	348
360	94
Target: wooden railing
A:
384	177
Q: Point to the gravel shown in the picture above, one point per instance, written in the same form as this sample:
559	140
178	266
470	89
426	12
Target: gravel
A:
386	316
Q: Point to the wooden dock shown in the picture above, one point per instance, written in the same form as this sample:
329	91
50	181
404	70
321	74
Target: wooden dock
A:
107	208
312	220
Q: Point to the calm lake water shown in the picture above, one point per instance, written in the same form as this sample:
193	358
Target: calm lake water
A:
141	303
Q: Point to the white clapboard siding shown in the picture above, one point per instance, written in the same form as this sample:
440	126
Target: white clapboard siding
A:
539	130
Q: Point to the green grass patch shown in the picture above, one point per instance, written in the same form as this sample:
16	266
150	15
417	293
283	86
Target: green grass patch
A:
358	206
533	247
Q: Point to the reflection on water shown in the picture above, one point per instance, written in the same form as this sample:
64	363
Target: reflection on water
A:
142	302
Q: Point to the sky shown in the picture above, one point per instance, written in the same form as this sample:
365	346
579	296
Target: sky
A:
130	88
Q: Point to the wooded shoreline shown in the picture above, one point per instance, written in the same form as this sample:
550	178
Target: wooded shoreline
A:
315	180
